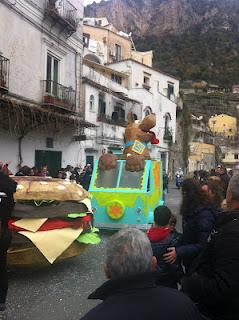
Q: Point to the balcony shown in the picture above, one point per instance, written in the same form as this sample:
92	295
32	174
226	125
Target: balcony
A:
146	86
168	136
64	13
4	73
107	119
55	94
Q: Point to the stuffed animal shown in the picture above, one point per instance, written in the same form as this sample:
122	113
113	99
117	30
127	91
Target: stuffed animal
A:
107	161
136	137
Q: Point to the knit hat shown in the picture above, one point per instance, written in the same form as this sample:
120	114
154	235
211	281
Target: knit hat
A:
162	215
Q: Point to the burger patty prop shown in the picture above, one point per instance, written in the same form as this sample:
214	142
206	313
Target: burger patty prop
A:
51	221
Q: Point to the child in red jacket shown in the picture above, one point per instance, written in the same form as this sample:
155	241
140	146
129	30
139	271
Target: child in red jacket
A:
163	235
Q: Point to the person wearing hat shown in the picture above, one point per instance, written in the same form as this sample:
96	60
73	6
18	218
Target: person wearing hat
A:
162	236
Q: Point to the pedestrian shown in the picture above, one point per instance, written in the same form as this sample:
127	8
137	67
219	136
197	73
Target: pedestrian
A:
68	172
162	236
198	218
44	171
7	189
195	175
35	171
214	282
131	292
86	178
214	190
76	175
24	171
165	182
224	177
213	173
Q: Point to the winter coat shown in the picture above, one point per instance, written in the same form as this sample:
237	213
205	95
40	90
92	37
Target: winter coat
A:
138	297
7	186
161	239
215	283
197	227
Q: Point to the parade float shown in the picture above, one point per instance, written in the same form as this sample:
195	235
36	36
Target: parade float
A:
126	191
52	221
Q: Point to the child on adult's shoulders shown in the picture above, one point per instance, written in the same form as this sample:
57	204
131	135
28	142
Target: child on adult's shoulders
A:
163	235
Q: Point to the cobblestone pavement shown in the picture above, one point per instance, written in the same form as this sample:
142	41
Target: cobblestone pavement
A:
60	291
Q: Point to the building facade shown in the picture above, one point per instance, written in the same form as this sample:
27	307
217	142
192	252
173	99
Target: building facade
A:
158	93
128	83
107	103
40	76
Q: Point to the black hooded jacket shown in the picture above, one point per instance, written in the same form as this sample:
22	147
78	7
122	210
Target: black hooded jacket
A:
214	282
138	297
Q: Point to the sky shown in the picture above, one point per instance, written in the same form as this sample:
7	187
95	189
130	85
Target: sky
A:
86	2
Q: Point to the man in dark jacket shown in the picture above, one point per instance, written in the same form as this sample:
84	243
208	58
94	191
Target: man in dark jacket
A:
131	292
214	282
7	189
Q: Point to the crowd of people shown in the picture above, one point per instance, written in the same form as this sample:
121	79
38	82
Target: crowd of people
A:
163	273
168	275
70	173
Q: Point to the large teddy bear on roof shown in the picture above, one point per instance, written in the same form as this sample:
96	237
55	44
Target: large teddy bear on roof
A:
136	137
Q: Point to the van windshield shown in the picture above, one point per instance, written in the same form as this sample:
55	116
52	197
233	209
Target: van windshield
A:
119	178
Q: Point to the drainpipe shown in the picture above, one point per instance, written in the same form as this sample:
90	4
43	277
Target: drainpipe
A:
20	150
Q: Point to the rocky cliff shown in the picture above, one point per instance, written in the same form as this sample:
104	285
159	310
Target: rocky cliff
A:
192	39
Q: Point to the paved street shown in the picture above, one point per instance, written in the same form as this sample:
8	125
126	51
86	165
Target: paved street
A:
60	292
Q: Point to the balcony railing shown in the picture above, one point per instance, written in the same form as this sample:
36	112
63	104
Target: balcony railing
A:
64	12
58	95
168	136
107	119
4	73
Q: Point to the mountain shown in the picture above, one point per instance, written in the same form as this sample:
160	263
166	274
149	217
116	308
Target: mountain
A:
192	39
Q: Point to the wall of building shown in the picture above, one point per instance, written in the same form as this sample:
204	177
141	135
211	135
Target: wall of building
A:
63	141
143	57
25	40
202	156
109	39
224	125
158	81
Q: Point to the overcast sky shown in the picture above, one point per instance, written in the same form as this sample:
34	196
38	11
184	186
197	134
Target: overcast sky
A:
86	2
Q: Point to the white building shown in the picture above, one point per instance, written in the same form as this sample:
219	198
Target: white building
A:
107	104
40	74
158	92
112	53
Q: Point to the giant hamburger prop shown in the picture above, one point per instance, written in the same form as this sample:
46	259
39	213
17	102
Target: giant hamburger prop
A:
51	221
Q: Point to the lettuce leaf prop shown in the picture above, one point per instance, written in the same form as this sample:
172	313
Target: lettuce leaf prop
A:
90	238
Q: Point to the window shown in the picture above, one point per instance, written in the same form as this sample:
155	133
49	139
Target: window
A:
107	179
117	52
92	103
86	40
148	111
116	78
146	83
130	179
146	80
49	143
110	179
236	156
119	108
170	90
102	104
52	75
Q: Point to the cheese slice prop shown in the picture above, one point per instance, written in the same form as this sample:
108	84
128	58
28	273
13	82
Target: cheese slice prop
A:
30	224
53	243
